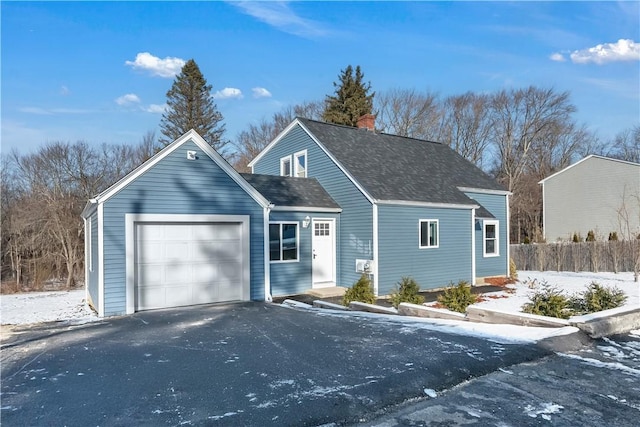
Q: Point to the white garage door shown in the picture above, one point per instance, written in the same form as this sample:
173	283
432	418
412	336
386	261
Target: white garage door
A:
188	263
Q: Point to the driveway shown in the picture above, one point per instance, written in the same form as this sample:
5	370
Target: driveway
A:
236	364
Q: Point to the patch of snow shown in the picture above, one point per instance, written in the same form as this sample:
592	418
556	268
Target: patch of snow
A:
37	307
543	411
606	365
430	392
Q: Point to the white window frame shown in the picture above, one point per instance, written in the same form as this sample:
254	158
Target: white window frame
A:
496	238
282	163
429	221
296	170
281	223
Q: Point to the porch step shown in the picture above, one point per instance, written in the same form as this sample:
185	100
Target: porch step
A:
333	291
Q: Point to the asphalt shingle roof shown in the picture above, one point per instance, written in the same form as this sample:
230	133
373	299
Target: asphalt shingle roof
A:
288	191
392	167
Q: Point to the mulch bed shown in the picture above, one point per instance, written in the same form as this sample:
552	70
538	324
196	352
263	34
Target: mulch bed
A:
429	296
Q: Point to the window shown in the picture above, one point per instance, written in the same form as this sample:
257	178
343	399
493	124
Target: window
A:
429	233
283	242
321	229
490	237
285	166
300	164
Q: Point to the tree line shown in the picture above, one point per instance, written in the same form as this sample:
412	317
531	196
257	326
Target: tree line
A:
519	136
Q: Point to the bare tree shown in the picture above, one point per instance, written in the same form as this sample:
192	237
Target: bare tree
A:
407	112
626	145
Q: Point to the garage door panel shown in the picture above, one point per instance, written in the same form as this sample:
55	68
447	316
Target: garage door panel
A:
184	264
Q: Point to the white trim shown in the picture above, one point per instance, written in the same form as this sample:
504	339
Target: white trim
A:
86	268
206	148
265	255
296	156
427	204
484	191
544	214
88	241
437	245
508	238
272	143
298	228
473	247
283	160
132	219
376	260
333	243
100	260
486	222
305	209
585	159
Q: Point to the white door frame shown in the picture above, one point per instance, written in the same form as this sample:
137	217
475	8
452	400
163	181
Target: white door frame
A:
332	282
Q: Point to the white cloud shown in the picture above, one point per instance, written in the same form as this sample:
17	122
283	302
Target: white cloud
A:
128	99
260	92
64	91
167	67
156	108
623	50
228	92
558	57
278	14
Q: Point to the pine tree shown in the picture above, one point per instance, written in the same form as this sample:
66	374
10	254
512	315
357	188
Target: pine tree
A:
190	106
351	101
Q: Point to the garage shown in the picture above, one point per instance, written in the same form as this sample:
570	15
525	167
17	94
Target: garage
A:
186	263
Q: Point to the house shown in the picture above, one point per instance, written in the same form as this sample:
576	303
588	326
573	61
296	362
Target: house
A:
409	207
596	194
325	204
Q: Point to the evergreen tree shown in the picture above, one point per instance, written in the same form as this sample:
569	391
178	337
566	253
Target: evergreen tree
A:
190	106
351	100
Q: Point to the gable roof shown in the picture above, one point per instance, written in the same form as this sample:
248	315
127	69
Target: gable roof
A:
395	168
284	191
589	157
192	136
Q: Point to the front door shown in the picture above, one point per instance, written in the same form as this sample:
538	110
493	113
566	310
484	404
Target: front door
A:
323	245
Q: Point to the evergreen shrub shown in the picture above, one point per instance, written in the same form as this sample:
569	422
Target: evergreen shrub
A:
549	301
406	290
457	298
598	298
361	291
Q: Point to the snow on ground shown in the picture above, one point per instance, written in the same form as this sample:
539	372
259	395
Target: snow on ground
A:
568	282
36	307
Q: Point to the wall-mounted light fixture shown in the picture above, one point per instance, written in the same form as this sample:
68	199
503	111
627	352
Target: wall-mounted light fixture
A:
306	222
192	155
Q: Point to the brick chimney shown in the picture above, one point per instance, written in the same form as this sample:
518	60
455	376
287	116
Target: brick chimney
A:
368	121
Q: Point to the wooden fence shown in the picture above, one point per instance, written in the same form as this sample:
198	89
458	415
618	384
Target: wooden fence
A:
614	256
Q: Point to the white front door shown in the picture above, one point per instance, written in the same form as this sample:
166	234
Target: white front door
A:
323	245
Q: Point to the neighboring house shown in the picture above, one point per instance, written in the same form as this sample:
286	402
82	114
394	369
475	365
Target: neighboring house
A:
409	207
596	193
185	228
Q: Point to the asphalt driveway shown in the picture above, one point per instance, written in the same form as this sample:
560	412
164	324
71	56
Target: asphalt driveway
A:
236	364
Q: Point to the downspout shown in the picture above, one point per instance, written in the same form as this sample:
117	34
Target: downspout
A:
101	303
375	249
267	263
86	261
508	231
473	247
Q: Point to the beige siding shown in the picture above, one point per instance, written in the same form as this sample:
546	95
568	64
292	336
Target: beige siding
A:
589	195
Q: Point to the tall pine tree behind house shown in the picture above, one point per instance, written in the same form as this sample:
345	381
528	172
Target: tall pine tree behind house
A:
351	100
190	106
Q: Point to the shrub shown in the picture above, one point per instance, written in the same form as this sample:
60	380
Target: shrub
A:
613	236
598	298
361	291
591	236
406	290
548	302
513	271
457	298
576	238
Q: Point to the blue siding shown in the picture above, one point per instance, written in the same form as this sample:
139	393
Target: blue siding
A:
92	280
355	232
291	278
400	255
177	186
492	266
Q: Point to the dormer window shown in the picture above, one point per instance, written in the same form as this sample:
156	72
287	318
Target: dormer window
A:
300	164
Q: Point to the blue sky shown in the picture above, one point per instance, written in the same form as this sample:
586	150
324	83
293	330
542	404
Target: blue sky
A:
99	71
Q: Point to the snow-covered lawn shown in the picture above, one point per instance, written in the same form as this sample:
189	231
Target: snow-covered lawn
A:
568	282
36	307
